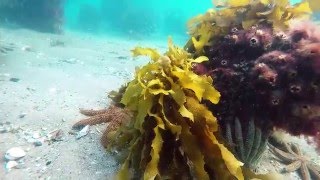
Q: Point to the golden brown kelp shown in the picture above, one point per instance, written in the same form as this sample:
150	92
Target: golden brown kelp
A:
205	29
173	134
116	96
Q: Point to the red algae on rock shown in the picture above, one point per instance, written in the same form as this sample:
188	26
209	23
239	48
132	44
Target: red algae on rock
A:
271	79
267	72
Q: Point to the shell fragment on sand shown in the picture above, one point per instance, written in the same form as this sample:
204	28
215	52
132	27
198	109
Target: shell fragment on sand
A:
56	135
83	132
11	164
14	154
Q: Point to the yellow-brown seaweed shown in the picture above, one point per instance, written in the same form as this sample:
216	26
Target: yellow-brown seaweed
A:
167	96
246	13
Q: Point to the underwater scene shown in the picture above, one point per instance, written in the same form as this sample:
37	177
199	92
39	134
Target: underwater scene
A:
161	89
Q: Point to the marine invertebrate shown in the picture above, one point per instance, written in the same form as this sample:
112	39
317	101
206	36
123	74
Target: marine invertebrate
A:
317	141
115	116
265	65
244	14
173	134
297	161
247	142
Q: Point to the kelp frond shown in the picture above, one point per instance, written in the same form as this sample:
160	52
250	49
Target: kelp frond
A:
245	14
170	117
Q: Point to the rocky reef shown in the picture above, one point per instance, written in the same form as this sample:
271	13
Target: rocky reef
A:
266	65
40	15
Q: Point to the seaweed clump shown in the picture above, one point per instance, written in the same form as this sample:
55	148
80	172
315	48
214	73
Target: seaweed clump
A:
264	57
173	135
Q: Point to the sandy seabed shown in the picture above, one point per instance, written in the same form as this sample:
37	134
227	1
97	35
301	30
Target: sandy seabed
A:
42	88
52	83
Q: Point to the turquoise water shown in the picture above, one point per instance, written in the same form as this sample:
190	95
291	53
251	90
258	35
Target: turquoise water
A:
137	19
133	17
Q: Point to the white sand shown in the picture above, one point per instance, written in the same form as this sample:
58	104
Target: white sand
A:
54	82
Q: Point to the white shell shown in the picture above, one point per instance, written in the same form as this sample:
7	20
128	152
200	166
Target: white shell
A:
14	153
84	131
36	135
11	164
